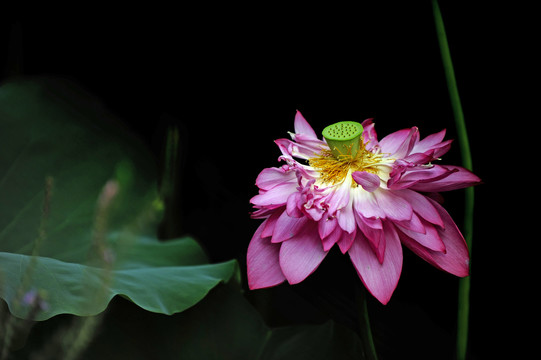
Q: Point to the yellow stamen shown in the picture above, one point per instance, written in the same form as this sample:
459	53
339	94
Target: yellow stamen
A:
333	169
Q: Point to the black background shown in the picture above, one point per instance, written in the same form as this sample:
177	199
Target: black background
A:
231	78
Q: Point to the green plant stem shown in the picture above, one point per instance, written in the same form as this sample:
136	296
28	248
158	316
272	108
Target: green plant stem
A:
169	190
364	323
464	284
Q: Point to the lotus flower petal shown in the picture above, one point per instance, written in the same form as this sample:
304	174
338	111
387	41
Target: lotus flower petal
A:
421	205
379	278
369	135
327	226
455	259
368	202
394	206
430	239
433	144
262	260
271	177
287	227
275	197
301	255
303	127
368	181
400	143
458	178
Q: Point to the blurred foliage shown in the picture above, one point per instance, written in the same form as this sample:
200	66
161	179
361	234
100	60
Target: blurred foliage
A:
79	241
79	226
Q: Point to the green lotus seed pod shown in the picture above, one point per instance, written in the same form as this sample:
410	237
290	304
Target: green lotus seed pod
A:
343	137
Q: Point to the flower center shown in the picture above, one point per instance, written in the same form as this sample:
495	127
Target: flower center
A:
343	138
347	153
333	169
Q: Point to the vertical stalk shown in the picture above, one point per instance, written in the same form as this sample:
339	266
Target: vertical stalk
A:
464	284
169	187
364	324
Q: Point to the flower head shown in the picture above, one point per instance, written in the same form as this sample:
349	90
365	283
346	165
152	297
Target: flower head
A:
366	196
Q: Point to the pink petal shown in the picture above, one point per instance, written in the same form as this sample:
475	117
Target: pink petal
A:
458	178
380	279
302	126
441	149
275	197
421	205
419	174
430	239
340	197
329	241
310	142
433	144
406	147
301	255
391	143
394	207
263	262
373	222
271	177
368	181
294	203
262	213
298	150
365	204
287	227
414	224
456	259
346	217
369	134
326	226
346	241
400	143
315	213
271	223
429	142
375	236
416	159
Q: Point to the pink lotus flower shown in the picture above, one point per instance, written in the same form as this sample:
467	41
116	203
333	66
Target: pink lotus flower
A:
366	196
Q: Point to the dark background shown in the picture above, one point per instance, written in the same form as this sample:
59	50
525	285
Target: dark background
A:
231	78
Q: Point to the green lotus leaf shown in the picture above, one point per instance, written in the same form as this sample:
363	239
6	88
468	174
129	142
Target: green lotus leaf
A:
79	211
